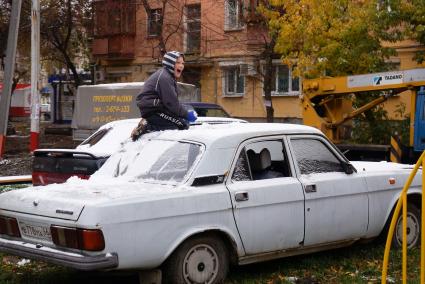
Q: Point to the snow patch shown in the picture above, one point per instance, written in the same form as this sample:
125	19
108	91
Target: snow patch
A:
380	166
23	262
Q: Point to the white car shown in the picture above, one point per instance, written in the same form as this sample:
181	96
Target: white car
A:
192	202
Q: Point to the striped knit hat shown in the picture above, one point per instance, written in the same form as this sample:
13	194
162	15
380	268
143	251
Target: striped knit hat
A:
169	60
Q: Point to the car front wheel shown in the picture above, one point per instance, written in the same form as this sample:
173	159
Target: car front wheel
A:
201	259
413	228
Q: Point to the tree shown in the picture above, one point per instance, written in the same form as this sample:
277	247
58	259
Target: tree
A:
24	40
64	33
413	20
64	25
263	13
328	37
4	27
338	38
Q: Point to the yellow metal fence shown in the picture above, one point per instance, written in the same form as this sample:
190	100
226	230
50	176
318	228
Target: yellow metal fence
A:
402	204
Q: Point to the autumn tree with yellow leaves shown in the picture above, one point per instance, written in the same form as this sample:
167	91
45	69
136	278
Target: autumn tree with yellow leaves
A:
412	14
345	37
333	37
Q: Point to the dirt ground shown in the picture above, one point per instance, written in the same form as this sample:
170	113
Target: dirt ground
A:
17	159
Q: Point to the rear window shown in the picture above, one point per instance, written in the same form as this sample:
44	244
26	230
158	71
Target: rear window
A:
96	137
211	112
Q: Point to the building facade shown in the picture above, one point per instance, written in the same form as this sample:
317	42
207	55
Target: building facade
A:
223	42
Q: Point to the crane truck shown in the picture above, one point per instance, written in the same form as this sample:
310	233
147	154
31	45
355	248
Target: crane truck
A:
327	105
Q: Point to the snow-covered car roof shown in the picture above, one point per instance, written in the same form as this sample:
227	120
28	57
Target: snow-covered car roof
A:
230	135
216	120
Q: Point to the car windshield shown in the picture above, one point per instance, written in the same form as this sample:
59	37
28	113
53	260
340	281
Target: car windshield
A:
153	160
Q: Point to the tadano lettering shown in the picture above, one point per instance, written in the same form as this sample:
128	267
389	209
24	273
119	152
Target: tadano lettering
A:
393	77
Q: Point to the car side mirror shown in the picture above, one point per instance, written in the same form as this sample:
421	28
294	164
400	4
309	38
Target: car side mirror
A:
348	168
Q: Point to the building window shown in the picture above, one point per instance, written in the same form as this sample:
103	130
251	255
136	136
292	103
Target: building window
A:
233	10
154	22
284	83
100	19
193	28
114	21
234	82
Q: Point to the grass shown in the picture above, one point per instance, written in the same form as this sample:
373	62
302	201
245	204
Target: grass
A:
4	188
355	264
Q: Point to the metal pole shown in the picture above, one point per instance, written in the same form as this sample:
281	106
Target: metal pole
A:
12	40
35	71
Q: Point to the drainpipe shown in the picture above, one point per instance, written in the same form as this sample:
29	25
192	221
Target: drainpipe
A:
215	85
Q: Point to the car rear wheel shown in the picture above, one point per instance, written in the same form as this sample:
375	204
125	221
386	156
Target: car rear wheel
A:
413	228
202	259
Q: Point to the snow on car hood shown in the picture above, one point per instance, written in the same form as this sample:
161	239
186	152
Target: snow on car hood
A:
66	201
380	166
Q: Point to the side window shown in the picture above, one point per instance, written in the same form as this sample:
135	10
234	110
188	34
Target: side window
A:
313	156
265	160
241	171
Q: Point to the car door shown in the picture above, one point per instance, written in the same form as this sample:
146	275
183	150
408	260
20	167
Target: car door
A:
336	202
268	204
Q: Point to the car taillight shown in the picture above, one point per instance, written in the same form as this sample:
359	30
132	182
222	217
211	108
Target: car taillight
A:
44	178
9	226
84	239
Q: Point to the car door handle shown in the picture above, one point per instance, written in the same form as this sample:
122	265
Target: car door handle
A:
241	196
310	188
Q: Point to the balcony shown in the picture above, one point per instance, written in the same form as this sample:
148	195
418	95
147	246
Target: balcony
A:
114	29
119	47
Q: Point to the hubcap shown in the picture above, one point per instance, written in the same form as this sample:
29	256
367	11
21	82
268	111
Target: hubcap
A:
200	264
412	230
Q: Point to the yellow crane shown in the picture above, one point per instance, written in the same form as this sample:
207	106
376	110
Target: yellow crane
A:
327	104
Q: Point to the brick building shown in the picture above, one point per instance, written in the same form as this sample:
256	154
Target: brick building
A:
223	43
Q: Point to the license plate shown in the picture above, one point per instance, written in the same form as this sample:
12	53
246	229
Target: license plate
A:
35	231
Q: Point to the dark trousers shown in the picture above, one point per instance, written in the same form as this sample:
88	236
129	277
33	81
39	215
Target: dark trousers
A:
163	121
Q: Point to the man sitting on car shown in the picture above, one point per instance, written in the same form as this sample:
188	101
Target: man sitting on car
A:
158	103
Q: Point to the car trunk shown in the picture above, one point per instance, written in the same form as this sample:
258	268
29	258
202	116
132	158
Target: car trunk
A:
56	166
39	203
67	201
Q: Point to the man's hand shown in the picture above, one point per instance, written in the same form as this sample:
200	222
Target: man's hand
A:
192	115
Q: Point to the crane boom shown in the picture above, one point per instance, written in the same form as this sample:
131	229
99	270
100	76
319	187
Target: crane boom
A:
327	103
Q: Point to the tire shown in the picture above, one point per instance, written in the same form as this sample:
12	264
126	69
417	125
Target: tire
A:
413	228
202	259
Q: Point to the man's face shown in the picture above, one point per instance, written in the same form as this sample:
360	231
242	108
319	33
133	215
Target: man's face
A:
178	68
